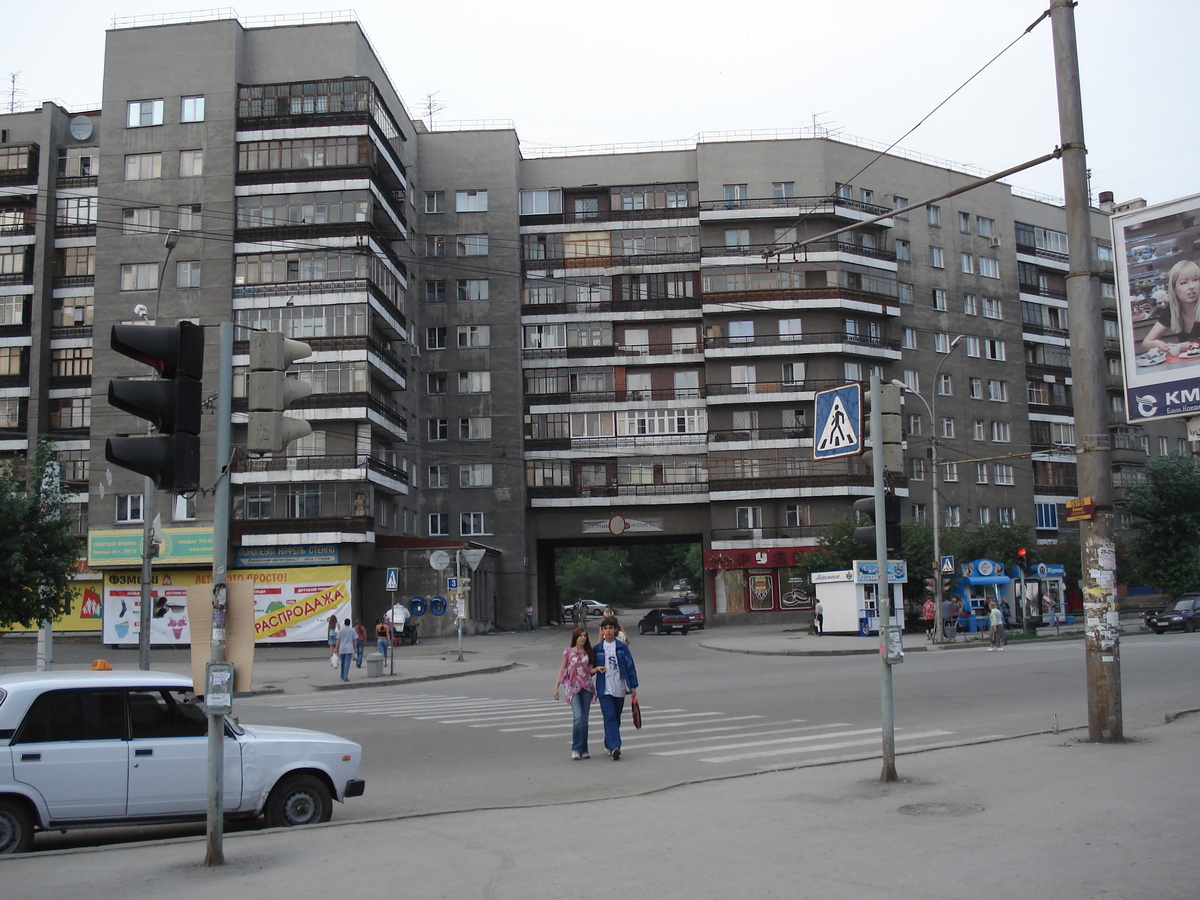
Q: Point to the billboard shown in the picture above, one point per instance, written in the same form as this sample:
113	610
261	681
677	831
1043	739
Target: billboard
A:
1157	256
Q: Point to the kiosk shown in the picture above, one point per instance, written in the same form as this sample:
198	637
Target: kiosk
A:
849	597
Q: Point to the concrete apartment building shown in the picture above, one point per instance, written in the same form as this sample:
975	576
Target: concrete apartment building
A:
520	353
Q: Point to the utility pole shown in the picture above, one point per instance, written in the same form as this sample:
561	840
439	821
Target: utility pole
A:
883	588
1093	452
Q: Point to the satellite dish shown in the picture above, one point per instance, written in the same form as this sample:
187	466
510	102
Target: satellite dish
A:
81	128
439	559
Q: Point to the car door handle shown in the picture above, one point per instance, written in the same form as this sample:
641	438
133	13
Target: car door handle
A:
30	757
143	752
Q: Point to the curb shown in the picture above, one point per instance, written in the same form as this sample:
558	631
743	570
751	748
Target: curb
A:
355	685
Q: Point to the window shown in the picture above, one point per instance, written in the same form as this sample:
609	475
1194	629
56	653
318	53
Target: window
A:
472	245
997	390
188	217
1104	253
435	292
435	337
914	425
844	191
439	524
735	195
741	332
138	221
945	385
737	237
1001	433
941	342
795	515
978	430
902	251
473	289
191	163
933	216
139	277
852	371
470	201
970	305
953	518
435	245
866	196
470	523
964	222
966	263
976	388
1006	515
438	477
64	361
994	349
435	383
183	508
71	262
910	338
140	113
991	308
783	190
12	311
791	373
989	268
474	335
899	203
748	517
744	377
69	211
851	329
973	347
475	475
474	382
475	428
187	274
1003	473
985	227
935	258
947	427
1045	515
983	515
435	201
916	468
141	166
904	292
539	203
939	300
439	429
789	330
191	109
129	508
981	473
912	380
949	471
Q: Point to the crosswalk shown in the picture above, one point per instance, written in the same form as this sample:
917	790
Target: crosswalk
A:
681	735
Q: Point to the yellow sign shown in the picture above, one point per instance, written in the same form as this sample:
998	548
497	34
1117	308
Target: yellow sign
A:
1080	508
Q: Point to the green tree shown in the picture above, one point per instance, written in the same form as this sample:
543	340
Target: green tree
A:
1166	508
36	543
596	574
994	541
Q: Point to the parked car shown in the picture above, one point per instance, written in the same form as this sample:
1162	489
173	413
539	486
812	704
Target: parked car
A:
92	748
594	608
693	611
1184	614
663	620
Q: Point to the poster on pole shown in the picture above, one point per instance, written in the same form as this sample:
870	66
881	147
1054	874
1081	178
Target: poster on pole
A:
1157	267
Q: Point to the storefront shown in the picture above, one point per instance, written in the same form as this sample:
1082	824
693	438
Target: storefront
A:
757	581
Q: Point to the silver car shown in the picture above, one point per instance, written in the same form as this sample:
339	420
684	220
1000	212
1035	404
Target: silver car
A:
92	748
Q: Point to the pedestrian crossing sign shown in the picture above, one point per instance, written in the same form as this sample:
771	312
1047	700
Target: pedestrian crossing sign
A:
839	422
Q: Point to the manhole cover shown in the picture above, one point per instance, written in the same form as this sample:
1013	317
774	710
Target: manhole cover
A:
940	809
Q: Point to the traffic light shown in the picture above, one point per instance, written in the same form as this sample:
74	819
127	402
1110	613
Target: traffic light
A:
893	432
160	607
172	403
271	392
1028	560
891	521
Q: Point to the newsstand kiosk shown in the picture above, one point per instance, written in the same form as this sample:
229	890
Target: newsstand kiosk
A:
849	597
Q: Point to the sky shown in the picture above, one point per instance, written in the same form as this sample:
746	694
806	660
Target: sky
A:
647	71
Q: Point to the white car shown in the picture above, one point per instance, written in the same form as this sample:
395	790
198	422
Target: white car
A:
92	748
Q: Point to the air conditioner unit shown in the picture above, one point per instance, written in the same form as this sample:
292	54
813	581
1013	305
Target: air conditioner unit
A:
995	242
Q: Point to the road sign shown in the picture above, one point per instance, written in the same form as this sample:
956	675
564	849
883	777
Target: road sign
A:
452	584
839	422
439	559
473	557
393	580
947	565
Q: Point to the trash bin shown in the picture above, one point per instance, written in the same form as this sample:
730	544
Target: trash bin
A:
375	663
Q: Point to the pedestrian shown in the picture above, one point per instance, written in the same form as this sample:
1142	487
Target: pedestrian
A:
331	627
360	642
345	647
383	636
928	613
996	618
819	617
575	674
947	617
529	617
580	611
617	678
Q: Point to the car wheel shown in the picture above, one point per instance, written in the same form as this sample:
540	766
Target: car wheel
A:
16	828
685	631
1160	631
299	800
1189	626
641	629
658	629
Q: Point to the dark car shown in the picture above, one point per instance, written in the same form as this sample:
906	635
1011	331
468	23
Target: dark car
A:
664	620
692	610
1183	614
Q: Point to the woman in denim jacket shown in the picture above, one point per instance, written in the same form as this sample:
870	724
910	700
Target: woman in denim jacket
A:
616	676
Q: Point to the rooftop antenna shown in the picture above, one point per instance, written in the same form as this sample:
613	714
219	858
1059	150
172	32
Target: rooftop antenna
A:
821	129
13	91
432	105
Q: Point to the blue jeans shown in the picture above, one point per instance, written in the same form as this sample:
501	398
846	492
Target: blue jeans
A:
358	652
610	708
346	657
382	645
581	705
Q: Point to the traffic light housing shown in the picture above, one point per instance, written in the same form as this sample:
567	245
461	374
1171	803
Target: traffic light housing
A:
1028	560
171	403
891	521
271	392
160	606
891	440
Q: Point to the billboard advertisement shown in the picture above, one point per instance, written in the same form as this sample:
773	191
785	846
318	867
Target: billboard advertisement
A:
1157	257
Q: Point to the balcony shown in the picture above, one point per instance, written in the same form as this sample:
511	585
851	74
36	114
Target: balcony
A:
792	206
885	301
753	389
613	305
345	461
795	433
623	492
552	397
611	260
773	250
1062	258
568	217
626	442
333	286
807	534
801	340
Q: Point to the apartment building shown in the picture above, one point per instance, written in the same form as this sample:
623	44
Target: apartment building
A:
521	352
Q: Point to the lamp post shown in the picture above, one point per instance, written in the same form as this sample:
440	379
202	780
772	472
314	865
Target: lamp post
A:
937	501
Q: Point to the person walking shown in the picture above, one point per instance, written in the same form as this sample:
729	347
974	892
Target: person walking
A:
617	678
331	627
383	636
345	647
360	642
947	618
819	617
928	613
575	674
996	618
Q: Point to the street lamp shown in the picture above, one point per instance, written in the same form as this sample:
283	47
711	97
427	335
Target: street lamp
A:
937	502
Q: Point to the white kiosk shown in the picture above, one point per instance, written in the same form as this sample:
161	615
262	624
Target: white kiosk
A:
849	597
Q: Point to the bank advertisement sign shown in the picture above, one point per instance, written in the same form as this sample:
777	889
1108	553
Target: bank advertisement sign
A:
1157	263
291	605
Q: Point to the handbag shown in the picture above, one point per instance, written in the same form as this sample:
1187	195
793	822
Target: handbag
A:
333	660
636	709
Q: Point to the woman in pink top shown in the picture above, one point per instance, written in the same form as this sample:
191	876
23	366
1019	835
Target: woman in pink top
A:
575	674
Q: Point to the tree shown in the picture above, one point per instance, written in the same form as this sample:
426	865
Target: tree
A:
595	574
1166	508
996	541
37	546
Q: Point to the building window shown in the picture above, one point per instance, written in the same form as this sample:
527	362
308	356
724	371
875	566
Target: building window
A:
916	468
985	227
474	523
183	508
1003	473
1006	515
473	289
435	337
984	515
140	113
910	338
865	196
470	201
143	166
475	428
69	211
474	336
997	390
187	274
64	362
844	191
139	277
949	471
783	190
474	382
964	222
941	342
991	308
933	216
435	201
978	430
947	427
973	347
139	221
191	109
989	268
737	237
748	517
935	258
902	251
736	195
981	473
188	217
897	204
435	383
438	478
914	425
191	163
1001	433
439	524
435	245
966	263
953	518
435	292
945	385
994	349
939	300
912	380
851	371
439	429
539	203
1045	515
472	245
475	475
741	332
129	508
904	292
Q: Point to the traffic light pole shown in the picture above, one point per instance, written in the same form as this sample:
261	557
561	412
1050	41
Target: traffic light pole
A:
147	573
883	589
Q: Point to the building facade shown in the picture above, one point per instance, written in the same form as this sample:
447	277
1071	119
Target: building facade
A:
518	352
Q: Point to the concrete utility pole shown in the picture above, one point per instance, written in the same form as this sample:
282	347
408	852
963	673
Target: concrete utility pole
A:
1093	452
883	588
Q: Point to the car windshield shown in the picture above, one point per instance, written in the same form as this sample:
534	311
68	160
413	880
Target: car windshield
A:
1185	603
689	609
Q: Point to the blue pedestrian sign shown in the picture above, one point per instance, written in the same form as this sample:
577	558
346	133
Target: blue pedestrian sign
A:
839	422
947	565
393	580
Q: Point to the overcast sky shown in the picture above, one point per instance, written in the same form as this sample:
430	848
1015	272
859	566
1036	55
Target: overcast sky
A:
570	74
